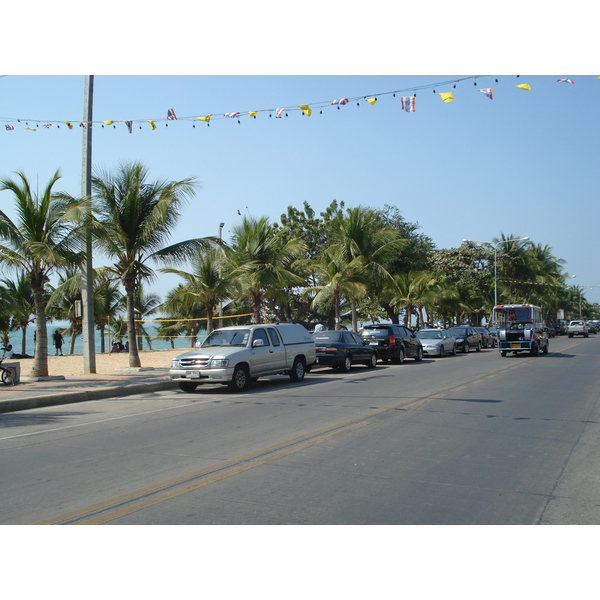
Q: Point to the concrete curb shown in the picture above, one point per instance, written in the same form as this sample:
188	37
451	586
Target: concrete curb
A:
54	399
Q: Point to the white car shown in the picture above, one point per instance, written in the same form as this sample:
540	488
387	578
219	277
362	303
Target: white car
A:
437	342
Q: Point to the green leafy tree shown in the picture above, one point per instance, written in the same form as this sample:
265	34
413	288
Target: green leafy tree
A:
259	261
46	236
135	218
18	305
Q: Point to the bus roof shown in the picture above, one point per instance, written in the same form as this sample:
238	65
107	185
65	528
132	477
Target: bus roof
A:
501	306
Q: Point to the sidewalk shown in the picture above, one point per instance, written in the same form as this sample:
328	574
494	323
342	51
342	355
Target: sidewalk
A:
35	393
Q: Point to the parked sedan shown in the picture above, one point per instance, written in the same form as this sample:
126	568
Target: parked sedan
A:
342	349
437	342
466	337
487	340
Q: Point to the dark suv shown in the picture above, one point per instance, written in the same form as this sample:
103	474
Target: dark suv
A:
466	338
393	342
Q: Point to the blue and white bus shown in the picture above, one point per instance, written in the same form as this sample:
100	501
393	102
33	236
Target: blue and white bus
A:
520	329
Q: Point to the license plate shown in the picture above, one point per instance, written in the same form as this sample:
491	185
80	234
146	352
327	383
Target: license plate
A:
192	374
374	343
515	345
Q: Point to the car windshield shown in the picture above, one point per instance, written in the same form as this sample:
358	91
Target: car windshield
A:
225	337
327	336
457	331
429	334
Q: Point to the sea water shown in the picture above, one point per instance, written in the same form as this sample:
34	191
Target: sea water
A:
157	343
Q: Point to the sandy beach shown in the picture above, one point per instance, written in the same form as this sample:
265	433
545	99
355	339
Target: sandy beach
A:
71	365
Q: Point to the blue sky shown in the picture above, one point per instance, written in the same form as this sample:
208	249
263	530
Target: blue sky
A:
523	163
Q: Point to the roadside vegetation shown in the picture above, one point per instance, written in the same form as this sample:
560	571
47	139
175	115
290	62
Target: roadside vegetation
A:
339	267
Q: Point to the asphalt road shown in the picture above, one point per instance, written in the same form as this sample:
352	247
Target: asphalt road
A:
467	439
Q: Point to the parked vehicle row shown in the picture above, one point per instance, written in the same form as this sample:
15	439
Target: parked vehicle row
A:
238	355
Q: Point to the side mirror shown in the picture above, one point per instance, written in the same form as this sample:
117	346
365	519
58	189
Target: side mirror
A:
257	343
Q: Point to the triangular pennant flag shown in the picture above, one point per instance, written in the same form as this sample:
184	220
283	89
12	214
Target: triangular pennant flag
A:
371	101
152	124
306	110
9	127
206	118
129	125
69	125
566	80
487	92
342	101
524	86
171	116
280	111
253	113
231	115
108	122
447	96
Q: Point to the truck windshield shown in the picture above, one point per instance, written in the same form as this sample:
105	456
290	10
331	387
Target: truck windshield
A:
236	337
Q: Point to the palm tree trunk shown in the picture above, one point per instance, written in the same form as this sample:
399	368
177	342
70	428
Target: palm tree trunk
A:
23	340
40	358
354	315
134	357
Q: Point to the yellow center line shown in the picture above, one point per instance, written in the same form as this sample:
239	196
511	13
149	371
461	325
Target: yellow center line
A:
189	482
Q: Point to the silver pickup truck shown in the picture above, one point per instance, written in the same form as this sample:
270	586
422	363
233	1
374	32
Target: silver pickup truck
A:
236	356
577	327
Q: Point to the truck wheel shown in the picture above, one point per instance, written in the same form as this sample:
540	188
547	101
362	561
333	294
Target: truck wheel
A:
347	364
502	354
185	386
298	370
240	380
535	351
546	348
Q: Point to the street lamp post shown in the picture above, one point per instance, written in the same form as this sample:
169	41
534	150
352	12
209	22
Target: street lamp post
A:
495	246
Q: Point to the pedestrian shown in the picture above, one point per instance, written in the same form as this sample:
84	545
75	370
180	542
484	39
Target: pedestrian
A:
57	341
319	327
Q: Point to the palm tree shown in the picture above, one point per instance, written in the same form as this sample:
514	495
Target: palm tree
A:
135	218
185	315
109	302
61	304
204	284
18	303
145	305
360	234
260	261
45	237
339	278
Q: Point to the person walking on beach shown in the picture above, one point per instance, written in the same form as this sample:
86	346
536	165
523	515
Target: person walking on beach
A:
57	341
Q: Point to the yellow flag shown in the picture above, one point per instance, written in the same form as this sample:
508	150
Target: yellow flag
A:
69	125
108	122
152	123
305	109
253	113
524	86
372	101
206	118
447	96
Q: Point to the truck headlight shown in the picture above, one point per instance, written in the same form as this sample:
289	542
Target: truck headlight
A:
218	363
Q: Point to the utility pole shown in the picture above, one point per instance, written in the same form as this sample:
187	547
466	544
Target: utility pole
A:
87	290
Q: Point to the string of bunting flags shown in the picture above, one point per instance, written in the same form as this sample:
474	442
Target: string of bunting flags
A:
408	103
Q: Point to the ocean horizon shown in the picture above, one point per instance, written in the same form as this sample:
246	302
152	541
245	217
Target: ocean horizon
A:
157	343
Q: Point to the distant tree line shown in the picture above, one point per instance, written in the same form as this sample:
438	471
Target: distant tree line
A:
340	267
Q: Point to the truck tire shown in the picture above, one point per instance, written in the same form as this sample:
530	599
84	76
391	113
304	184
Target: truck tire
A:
186	386
240	380
298	370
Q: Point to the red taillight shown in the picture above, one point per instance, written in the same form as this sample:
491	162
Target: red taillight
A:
392	340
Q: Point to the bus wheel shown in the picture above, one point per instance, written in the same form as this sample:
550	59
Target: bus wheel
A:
503	354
